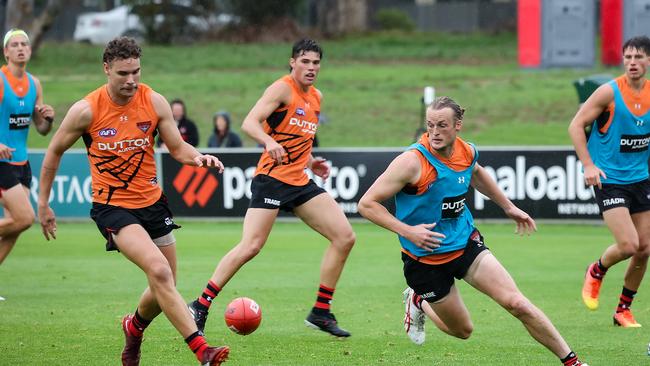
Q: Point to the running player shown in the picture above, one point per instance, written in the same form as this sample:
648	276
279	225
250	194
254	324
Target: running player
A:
118	122
284	120
21	98
439	241
615	161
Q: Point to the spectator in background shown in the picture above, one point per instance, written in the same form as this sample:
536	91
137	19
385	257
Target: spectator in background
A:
222	136
186	126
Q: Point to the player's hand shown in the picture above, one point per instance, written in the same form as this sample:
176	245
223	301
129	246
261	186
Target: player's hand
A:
276	151
424	237
592	176
525	224
209	161
320	167
6	152
48	222
46	111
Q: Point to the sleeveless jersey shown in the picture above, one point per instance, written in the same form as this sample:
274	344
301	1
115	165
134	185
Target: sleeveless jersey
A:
16	109
441	201
120	141
619	147
293	126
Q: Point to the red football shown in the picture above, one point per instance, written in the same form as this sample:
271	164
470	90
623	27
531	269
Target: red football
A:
243	315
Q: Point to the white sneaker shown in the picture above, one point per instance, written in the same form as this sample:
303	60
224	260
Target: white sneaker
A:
414	318
2	298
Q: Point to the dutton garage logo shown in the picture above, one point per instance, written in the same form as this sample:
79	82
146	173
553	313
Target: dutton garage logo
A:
107	132
195	184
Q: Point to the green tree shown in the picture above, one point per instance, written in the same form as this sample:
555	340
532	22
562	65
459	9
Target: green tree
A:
261	12
166	20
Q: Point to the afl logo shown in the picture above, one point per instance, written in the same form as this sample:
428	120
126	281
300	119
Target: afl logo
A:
108	132
300	111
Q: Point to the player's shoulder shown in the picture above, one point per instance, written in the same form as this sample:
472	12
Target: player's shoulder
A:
318	93
154	95
81	107
604	94
279	90
408	160
37	81
80	113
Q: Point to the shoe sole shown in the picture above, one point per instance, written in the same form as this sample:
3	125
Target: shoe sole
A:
316	327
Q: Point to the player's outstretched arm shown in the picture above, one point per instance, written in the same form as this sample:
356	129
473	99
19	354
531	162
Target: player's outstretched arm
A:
586	115
483	183
403	170
179	149
276	95
73	126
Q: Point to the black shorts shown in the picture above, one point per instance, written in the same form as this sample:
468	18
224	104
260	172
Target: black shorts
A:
635	196
268	192
12	175
433	282
157	219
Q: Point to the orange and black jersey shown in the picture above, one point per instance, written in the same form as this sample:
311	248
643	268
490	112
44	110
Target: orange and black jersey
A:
293	126
119	141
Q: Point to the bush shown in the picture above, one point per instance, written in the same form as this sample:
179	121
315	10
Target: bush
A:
394	19
260	12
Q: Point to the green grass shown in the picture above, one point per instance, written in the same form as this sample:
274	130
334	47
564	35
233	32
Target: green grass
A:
65	300
372	85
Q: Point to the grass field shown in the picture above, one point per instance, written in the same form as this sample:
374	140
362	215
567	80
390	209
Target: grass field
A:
65	300
372	85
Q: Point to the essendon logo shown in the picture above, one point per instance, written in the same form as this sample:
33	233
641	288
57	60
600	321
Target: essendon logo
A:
452	207
195	184
634	143
144	126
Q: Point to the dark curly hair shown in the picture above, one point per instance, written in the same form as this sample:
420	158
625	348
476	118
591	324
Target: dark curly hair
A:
306	45
641	43
121	48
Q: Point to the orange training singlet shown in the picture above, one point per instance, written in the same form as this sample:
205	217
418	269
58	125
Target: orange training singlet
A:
637	103
293	126
120	144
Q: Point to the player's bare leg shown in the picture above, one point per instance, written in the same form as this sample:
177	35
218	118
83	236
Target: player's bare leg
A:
19	216
635	272
258	223
450	314
488	276
136	245
324	215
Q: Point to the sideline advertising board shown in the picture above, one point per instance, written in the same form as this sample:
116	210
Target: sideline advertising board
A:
546	182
